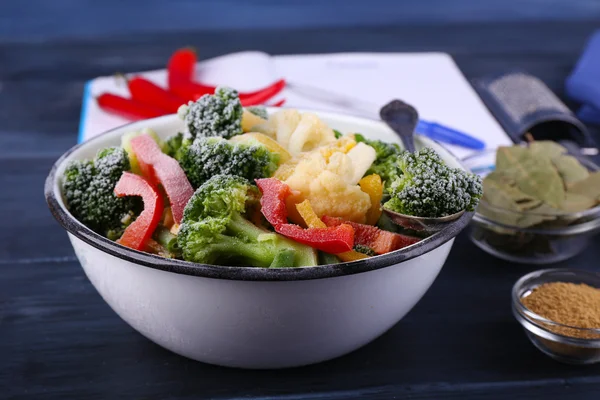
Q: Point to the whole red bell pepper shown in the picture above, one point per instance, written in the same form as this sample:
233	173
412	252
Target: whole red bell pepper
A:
139	232
337	239
159	167
381	241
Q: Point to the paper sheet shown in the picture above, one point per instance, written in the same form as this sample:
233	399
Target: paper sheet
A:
351	83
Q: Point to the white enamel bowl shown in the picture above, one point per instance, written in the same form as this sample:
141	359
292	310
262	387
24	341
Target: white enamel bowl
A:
252	317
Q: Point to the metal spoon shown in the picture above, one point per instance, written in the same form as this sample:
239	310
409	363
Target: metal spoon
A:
403	118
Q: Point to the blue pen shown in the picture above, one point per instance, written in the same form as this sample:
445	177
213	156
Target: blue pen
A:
432	130
444	134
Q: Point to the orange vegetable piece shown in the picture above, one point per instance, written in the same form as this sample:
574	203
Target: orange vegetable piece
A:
373	186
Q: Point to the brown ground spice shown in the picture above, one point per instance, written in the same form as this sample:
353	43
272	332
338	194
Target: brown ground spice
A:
577	305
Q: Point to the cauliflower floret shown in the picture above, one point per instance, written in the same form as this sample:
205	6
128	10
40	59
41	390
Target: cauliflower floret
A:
309	134
325	184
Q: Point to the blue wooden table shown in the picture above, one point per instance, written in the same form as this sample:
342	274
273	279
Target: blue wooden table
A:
58	339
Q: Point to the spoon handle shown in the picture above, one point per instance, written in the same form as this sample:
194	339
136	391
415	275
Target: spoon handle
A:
402	118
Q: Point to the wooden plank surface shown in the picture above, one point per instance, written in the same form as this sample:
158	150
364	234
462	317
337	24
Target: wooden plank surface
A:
58	339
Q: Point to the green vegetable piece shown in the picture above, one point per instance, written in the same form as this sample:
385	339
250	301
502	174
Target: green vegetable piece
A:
259	111
385	162
215	230
211	156
175	146
570	169
219	115
533	173
88	188
589	187
326	258
426	187
337	134
365	250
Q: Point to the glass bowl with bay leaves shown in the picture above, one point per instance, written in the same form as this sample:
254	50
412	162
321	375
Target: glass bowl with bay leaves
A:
540	204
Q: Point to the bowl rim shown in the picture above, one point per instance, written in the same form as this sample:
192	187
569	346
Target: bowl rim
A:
537	324
82	232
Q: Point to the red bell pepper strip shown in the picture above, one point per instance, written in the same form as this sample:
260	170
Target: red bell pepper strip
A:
262	95
272	202
127	108
137	235
158	166
147	92
279	103
336	239
379	240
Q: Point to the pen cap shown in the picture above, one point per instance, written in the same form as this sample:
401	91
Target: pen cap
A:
523	104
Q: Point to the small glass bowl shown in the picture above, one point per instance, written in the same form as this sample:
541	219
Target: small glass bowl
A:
554	238
543	333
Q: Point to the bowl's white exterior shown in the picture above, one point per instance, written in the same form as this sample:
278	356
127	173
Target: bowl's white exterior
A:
258	324
252	324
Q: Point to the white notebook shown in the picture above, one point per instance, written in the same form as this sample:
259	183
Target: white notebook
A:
351	83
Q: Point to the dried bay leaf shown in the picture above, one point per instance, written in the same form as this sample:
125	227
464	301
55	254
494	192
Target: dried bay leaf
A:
495	195
576	202
547	148
506	156
542	213
533	173
589	187
523	201
570	169
537	177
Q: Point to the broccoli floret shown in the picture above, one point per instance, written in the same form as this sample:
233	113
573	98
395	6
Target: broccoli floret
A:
175	146
259	111
214	229
88	189
210	156
427	187
365	250
385	163
219	114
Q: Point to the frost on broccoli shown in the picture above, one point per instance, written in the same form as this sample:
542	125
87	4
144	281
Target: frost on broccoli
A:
385	161
365	250
427	187
259	111
173	146
215	229
88	187
219	114
211	156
